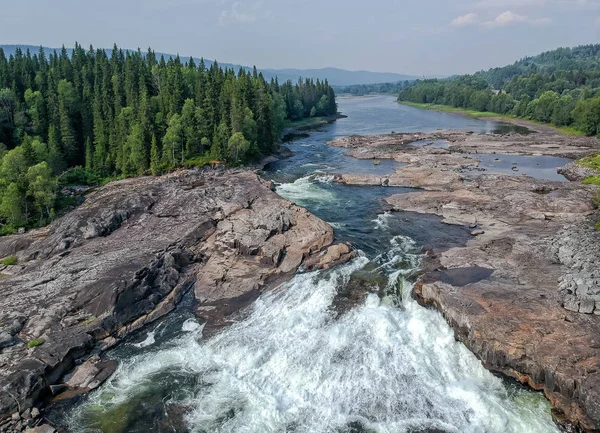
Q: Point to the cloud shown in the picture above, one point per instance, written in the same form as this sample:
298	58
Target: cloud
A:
238	12
469	19
598	21
504	19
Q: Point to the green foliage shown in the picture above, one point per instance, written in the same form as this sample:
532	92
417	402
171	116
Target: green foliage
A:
446	108
238	146
592	180
9	261
199	161
12	206
41	189
369	89
592	162
79	176
93	116
560	87
155	167
35	343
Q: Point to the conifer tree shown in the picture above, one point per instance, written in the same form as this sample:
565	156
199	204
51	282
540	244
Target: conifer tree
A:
127	113
154	157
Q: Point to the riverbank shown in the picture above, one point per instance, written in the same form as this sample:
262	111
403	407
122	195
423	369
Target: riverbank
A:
125	258
494	116
514	295
310	123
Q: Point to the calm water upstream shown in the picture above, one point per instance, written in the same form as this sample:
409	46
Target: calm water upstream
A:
293	365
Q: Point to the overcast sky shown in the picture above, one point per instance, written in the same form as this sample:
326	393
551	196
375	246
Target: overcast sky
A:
414	37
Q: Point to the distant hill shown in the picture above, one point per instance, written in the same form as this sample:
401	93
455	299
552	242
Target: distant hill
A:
581	58
342	77
373	89
335	76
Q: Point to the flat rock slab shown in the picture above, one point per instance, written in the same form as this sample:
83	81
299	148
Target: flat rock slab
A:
500	292
531	259
126	257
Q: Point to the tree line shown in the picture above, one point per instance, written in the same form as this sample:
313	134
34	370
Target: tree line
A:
90	115
370	89
534	88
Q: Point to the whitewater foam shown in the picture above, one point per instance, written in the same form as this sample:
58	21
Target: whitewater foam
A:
382	221
291	365
303	190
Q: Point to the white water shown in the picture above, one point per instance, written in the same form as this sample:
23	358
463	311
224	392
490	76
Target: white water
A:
382	221
292	366
305	189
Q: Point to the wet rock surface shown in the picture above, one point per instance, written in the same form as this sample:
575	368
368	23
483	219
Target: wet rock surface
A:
126	257
516	294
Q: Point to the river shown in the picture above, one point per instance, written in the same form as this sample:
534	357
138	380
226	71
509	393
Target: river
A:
296	364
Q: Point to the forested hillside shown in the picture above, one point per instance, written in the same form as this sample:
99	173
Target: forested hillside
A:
127	114
368	89
561	87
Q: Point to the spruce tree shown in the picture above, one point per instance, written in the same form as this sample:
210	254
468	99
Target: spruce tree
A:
154	157
109	112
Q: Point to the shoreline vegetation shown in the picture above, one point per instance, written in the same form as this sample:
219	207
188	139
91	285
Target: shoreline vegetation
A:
567	130
560	89
312	122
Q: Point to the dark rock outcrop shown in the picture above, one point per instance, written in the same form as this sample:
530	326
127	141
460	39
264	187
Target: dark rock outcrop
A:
126	256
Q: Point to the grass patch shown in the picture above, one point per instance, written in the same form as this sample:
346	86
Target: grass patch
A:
592	180
9	261
198	161
35	343
567	130
592	162
449	109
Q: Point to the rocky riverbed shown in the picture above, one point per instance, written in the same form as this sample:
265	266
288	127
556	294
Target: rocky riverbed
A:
522	293
125	258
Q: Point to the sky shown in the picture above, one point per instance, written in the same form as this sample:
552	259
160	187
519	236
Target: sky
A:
424	37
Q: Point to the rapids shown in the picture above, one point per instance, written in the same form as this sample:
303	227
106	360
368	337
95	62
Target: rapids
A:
292	363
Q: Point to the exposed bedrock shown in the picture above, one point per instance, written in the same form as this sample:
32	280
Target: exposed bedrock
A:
128	255
512	317
543	141
522	293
